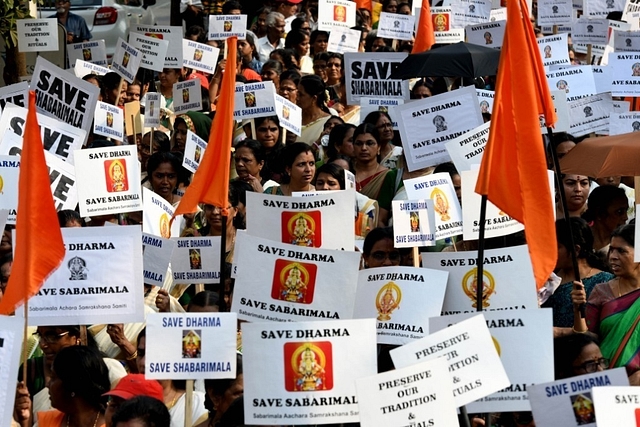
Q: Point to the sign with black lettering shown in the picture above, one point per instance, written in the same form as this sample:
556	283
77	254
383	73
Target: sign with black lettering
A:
627	122
595	31
488	34
396	26
93	52
126	60
343	40
620	404
153	50
157	213
196	260
443	29
221	27
254	100
194	150
600	9
187	96
485	100
9	173
16	94
200	56
37	35
367	74
10	345
82	68
467	149
334	14
173	35
156	256
590	114
553	50
470	12
555	12
414	223
625	71
108	120
577	81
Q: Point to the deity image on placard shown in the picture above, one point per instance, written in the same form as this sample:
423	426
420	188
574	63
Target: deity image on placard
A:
383	108
165	228
547	51
308	366
589	28
125	59
197	55
583	409
115	174
109	119
610	4
554	9
627	42
563	85
152	108
227	26
249	99
588	111
78	268
185	96
635	68
470	287
488	38
195	259
414	221
387	300
343	38
286	112
86	54
636	126
472	8
484	107
192	344
197	154
339	13
302	228
293	281
440	22
496	344
396	24
440	204
440	123
1	184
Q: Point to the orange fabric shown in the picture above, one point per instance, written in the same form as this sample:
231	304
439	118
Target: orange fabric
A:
364	4
51	418
39	249
211	181
424	33
513	173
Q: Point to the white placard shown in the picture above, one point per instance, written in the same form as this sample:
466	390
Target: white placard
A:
602	8
156	256
108	120
99	280
156	216
420	394
466	150
620	107
630	7
396	26
369	105
485	100
595	31
621	405
426	124
152	109
93	52
576	81
193	151
221	27
438	188
520	336
470	12
336	14
83	68
312	370
343	40
37	35
562	113
555	12
16	94
602	78
414	223
620	123
474	364
10	345
626	41
200	56
9	175
191	346
153	50
553	50
61	95
196	260
625	73
289	114
287	283
443	31
172	34
187	96
401	299
367	74
254	100
590	114
126	60
508	279
488	34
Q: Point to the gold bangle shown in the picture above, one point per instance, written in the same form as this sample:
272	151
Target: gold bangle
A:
133	356
578	332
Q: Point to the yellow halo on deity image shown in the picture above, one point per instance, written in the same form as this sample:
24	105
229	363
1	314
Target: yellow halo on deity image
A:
285	272
470	283
165	229
497	345
387	300
1	184
440	204
302	227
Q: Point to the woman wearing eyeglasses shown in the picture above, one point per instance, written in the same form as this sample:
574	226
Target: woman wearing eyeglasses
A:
390	154
606	210
213	226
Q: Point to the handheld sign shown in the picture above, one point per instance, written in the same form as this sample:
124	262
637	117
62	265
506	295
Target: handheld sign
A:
156	216
561	108
187	96
625	41
171	34
99	280
82	68
108	120
595	31
368	105
194	150
191	346
336	14
199	56
37	35
421	393
443	30
577	82
153	50
10	345
488	34
156	256
469	12
590	114
301	283
196	260
620	404
221	27
126	60
396	26
555	12
16	94
9	173
254	100
602	78
401	299
414	223
289	114
312	368
367	74
343	40
485	100
93	52
620	123
625	68
601	9
466	150
152	110
553	50
475	368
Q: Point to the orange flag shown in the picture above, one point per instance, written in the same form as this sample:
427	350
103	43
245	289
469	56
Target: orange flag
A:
39	249
424	33
513	173
364	4
211	181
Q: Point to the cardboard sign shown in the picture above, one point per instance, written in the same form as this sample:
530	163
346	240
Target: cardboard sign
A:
577	81
16	94
37	35
508	279
343	40
555	12
4	214
466	150
600	9
595	31
153	50
290	283
10	346
254	100
621	406
396	26
336	14
443	30
171	34
620	107
620	123
9	174
196	260
289	114
93	52
200	56
569	402
626	41
520	336
469	12
562	113
602	78
61	95
187	96
401	299
625	71
414	223
156	255
221	27
323	221
485	100
369	105
589	114
193	151
152	110
108	120
99	280
311	371
156	214
191	346
126	60
82	68
553	50
488	34
367	74
426	124
474	364
421	393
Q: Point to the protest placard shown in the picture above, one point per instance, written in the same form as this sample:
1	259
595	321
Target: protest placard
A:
488	34
152	109
625	73
595	31
508	280
343	40
108	120
553	50
426	124
312	368
520	336
289	114
626	41
369	105
156	214
602	78
620	123
254	100
620	406
156	256
470	12
302	283
193	151
83	68
9	174
196	260
630	7
99	280
555	12
485	100
16	94
153	50
323	221
576	81
443	31
569	402
37	35
61	95
191	346
110	181
132	118
500	13
199	56
126	60
589	114
221	27
466	150
367	74
475	368
93	52
620	107
421	394
336	14
438	188
10	345
4	215
396	26
187	96
414	223
171	34
562	113
401	299
601	9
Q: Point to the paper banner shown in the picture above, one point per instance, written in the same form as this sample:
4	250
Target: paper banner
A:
553	50
37	35
620	123
369	105
561	108
555	12
577	81
289	114
9	174
196	260
594	31
485	100
620	406
396	26
83	68
625	72
589	114
367	74
414	223
443	30
466	150
171	34
343	40
16	94
152	110
469	12
108	121
254	100
489	34
93	52
156	256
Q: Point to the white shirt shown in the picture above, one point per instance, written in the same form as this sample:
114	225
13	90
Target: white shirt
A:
265	48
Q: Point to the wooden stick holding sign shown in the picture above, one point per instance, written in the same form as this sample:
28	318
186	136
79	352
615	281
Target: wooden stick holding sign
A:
253	129
589	49
188	403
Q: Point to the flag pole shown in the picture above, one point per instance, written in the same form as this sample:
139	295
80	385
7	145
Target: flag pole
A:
223	248
480	260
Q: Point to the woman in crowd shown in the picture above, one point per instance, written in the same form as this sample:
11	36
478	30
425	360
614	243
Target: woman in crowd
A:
576	190
334	75
221	393
196	122
169	76
577	354
373	43
319	42
204	302
298	40
249	52
312	100
269	135
300	167
341	142
606	210
289	81
249	159
420	90
389	153
163	171
213	225
111	91
259	26
288	58
320	65
271	71
161	144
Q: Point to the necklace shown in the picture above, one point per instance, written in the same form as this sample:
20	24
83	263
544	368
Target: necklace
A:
95	423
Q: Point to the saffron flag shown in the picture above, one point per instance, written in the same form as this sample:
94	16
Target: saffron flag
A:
513	173
424	33
364	4
211	181
39	248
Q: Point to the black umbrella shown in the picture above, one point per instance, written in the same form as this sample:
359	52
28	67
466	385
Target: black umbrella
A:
455	60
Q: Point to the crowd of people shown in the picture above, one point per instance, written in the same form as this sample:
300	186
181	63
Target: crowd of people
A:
93	375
